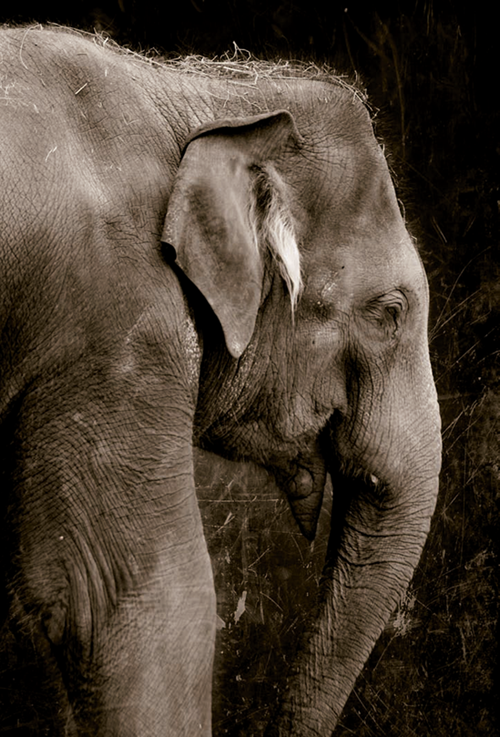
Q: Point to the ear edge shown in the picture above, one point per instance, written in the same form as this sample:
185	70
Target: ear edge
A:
237	125
234	344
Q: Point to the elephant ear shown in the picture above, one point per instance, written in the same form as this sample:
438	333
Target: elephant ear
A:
210	219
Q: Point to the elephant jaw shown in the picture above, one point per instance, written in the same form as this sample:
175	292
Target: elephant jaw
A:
304	486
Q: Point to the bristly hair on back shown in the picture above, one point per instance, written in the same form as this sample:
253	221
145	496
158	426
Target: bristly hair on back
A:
238	65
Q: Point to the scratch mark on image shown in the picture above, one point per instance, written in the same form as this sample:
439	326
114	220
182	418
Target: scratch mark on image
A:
240	609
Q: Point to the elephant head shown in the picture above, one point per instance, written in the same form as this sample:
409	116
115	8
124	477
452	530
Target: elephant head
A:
292	234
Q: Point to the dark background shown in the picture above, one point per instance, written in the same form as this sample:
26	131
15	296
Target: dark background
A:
431	71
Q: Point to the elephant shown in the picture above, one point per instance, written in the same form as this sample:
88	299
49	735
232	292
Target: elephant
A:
199	254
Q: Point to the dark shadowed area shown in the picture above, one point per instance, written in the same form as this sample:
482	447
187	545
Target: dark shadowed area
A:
428	68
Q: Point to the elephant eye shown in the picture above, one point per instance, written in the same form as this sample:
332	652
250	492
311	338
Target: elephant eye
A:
387	312
393	312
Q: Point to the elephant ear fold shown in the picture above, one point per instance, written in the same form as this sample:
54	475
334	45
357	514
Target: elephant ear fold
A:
210	220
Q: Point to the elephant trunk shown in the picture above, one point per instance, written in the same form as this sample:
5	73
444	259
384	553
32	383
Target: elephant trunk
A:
375	543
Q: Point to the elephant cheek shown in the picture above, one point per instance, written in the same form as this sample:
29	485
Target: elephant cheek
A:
305	495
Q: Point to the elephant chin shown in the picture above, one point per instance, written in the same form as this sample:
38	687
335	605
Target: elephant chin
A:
304	489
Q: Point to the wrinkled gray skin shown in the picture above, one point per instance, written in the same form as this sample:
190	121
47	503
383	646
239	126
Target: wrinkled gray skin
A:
117	354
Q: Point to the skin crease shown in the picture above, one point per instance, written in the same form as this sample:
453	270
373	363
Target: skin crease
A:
118	354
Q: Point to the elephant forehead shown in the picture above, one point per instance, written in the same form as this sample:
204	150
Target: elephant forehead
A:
384	266
358	231
362	268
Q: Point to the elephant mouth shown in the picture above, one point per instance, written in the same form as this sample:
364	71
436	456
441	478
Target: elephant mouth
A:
304	483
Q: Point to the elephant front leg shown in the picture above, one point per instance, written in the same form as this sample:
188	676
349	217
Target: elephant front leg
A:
133	628
157	650
112	566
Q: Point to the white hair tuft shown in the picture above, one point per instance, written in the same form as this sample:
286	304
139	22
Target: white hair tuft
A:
273	226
